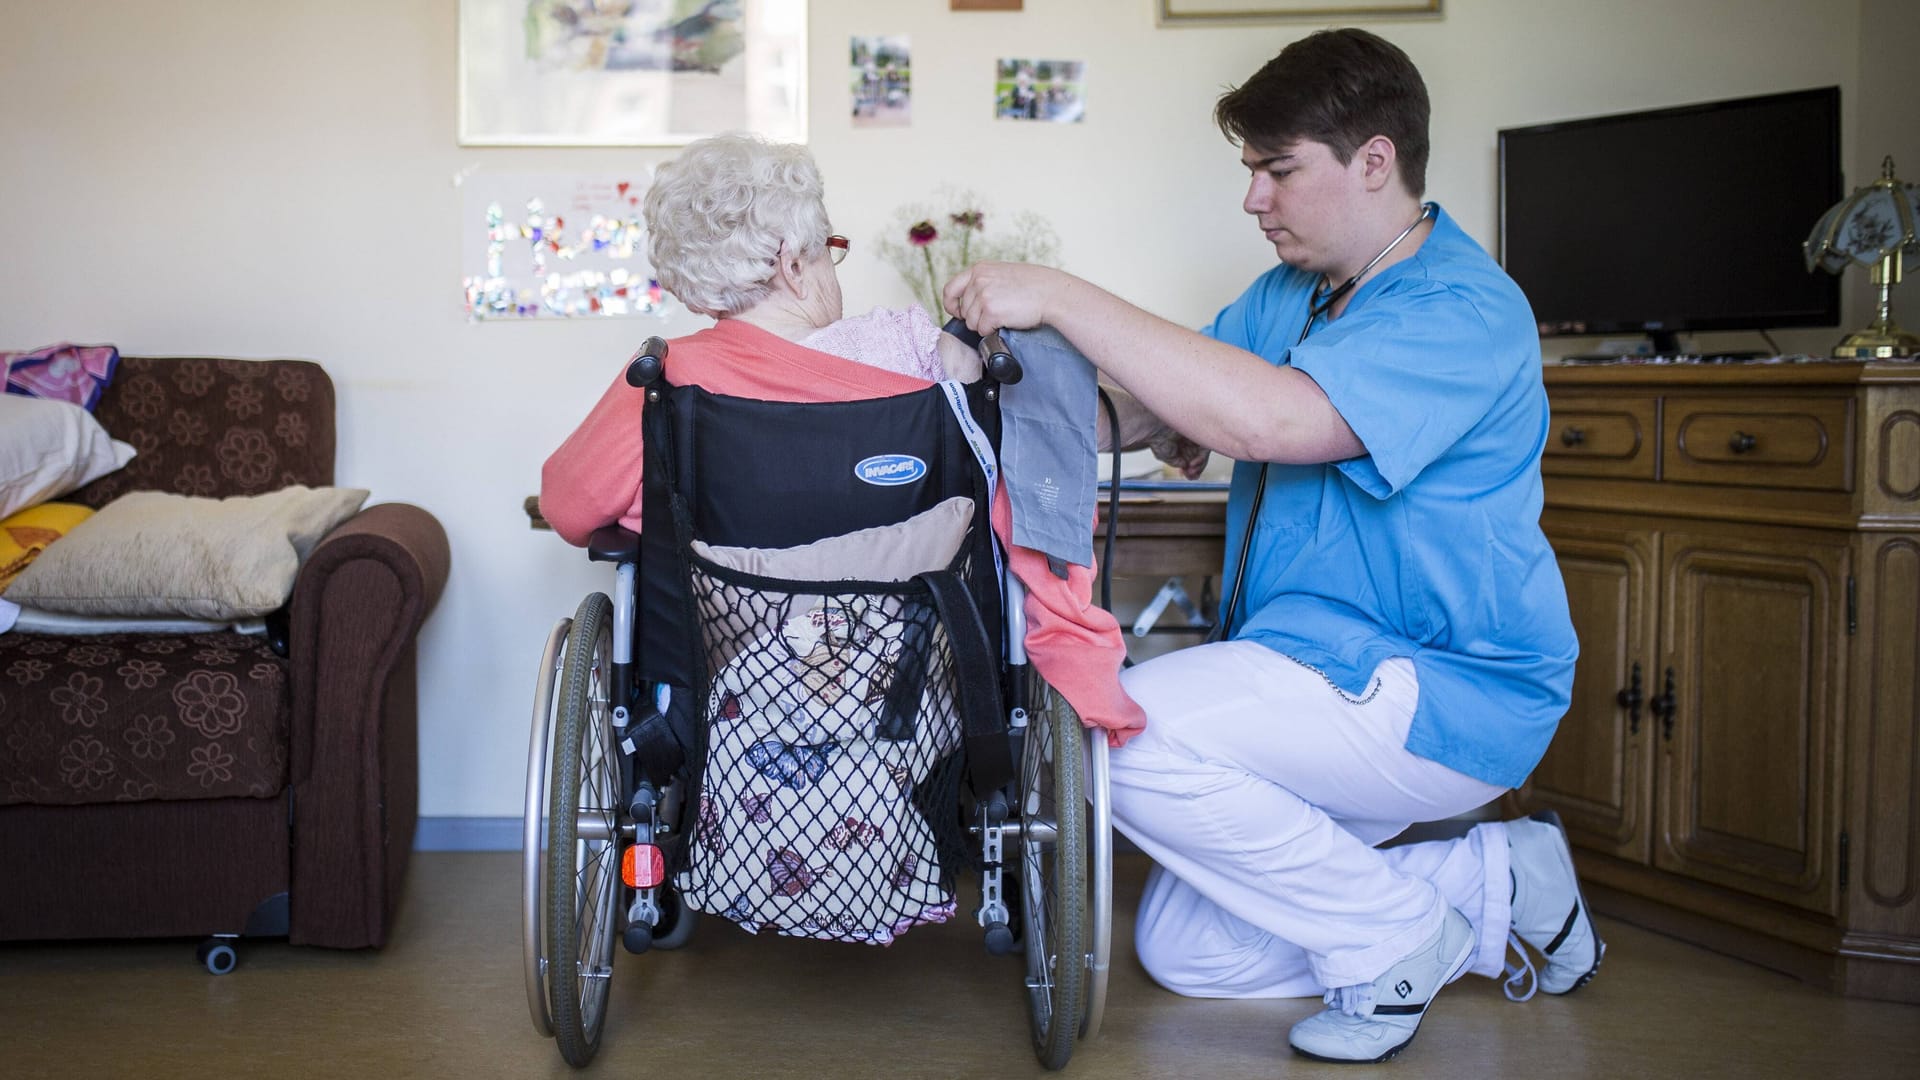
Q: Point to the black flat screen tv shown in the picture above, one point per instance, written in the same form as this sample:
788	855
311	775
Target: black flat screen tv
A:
1676	219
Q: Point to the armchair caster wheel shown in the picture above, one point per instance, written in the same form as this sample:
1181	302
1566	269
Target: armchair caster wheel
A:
217	956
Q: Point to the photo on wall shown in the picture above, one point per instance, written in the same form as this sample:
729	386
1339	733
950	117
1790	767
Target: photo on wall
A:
881	80
1048	90
630	72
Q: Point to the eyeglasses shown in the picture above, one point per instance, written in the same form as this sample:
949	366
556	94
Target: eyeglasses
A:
837	246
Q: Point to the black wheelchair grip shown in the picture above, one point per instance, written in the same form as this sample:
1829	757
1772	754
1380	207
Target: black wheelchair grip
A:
648	363
1001	363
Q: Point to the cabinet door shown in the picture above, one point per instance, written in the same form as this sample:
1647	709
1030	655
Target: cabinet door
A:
1751	628
1598	771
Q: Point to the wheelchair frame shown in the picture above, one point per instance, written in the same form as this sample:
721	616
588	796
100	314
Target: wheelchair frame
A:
587	806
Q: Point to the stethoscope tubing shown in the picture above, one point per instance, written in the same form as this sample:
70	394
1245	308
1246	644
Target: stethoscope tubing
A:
1323	302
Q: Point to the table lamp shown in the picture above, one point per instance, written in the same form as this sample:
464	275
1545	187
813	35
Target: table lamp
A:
1874	227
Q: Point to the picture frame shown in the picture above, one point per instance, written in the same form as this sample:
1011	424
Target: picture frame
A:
648	73
1216	12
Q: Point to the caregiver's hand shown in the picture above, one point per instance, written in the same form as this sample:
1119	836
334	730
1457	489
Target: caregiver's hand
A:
1015	296
1172	448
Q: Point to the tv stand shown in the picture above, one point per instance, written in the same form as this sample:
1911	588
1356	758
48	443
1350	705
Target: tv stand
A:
1741	553
1665	342
1730	356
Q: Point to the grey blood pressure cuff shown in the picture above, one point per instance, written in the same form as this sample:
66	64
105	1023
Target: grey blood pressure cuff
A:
1048	447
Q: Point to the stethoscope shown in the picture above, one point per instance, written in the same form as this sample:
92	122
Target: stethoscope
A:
1324	297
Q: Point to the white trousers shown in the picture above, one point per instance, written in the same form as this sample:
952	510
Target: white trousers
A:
1260	789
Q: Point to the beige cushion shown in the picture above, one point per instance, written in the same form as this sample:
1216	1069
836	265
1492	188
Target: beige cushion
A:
48	448
923	543
154	553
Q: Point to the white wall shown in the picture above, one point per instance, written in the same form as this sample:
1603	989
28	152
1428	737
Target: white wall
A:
1889	125
231	177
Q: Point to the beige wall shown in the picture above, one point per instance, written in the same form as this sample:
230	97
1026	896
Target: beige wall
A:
232	177
1889	125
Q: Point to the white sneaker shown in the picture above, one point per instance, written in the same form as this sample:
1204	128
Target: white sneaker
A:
1374	1021
1548	911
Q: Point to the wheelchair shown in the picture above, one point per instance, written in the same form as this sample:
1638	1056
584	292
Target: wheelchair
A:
819	758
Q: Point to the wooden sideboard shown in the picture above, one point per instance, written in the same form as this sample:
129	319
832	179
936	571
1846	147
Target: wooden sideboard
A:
1741	763
1166	534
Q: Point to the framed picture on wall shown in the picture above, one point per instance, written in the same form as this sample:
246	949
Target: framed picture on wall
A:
1228	11
635	73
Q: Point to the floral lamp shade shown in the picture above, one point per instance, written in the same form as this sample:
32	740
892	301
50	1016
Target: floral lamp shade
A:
1873	223
1873	227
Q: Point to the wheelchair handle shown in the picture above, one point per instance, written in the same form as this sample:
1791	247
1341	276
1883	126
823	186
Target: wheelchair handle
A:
648	363
1001	364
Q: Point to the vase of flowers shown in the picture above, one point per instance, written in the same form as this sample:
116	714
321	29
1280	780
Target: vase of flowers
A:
930	242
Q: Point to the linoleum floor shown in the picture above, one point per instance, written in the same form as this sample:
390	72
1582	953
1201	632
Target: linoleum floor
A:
446	999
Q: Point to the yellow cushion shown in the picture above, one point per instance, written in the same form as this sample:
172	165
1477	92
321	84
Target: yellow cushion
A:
27	533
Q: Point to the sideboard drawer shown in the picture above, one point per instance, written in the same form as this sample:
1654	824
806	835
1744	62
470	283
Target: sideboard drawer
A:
1602	436
1761	441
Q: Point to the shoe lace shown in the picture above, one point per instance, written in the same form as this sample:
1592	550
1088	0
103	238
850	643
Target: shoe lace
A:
1352	1000
1519	972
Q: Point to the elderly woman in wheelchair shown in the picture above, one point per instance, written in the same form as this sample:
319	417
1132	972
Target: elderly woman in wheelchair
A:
826	684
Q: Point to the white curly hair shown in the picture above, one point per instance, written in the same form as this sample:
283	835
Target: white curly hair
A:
718	213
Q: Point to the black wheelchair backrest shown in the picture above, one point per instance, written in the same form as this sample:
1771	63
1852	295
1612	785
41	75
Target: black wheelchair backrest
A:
741	472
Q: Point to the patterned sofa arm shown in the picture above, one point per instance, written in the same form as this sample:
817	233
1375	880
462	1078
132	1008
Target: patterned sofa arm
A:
357	607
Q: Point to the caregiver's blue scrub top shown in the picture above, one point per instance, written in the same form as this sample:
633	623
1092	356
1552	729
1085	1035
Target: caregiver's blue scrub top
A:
1428	546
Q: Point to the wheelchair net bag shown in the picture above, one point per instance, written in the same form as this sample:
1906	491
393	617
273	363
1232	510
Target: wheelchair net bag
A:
829	793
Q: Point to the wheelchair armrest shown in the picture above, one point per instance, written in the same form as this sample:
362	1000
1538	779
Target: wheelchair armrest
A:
614	544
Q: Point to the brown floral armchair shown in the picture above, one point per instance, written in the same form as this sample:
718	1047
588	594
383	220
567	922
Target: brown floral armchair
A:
220	783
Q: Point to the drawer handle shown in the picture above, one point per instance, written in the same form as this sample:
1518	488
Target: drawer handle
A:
1572	436
1741	442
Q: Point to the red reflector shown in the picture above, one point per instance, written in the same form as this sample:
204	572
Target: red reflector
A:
643	867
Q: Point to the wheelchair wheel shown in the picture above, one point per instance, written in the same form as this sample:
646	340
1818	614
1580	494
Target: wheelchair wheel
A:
582	880
1053	873
1099	881
533	837
677	921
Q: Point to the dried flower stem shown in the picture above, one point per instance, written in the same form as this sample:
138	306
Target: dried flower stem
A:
948	248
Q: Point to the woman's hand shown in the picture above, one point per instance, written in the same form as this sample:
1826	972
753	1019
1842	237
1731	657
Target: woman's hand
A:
958	360
996	296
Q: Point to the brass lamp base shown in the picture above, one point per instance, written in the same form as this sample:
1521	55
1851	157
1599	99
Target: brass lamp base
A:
1878	342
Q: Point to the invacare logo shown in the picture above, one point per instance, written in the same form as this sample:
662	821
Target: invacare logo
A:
890	470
